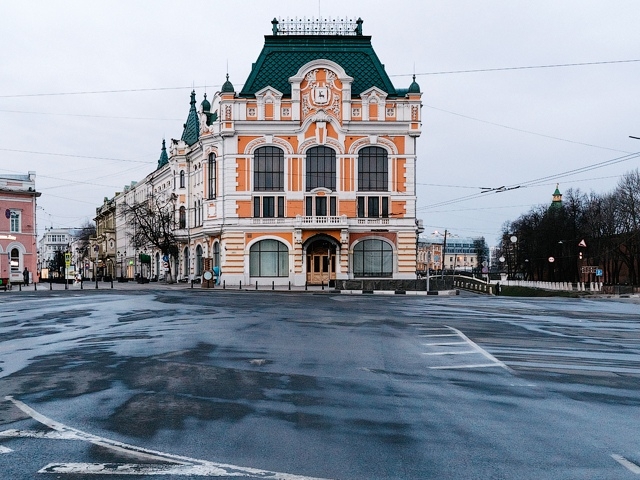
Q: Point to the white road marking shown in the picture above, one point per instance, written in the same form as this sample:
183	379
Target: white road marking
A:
480	350
439	335
466	352
47	435
629	465
179	463
454	367
443	344
5	450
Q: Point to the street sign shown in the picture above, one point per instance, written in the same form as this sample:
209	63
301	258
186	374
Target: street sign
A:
598	272
551	259
589	269
165	264
67	259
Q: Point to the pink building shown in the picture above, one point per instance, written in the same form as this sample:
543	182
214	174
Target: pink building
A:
18	227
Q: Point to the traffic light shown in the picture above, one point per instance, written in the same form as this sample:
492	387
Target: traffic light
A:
580	255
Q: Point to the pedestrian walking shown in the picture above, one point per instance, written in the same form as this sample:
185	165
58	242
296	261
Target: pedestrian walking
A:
25	276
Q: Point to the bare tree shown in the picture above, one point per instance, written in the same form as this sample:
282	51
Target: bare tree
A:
152	223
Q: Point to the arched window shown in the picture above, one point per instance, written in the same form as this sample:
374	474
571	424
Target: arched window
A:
182	220
321	168
182	183
372	258
268	258
373	169
186	261
268	169
212	176
199	261
216	254
15	261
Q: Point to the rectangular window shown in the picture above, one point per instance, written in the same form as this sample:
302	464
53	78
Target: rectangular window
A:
373	207
280	207
332	206
212	176
373	210
308	206
14	222
268	207
361	207
321	206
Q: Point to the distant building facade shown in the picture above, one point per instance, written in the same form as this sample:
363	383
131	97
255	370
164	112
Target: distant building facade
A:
18	242
451	253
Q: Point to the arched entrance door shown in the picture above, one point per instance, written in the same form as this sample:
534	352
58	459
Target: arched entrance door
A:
321	262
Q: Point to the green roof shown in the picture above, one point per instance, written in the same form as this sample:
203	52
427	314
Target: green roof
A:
282	56
191	131
164	159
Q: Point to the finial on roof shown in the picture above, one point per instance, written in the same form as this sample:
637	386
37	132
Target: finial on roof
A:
227	87
414	87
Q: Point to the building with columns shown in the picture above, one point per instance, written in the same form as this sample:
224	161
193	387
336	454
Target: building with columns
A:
305	175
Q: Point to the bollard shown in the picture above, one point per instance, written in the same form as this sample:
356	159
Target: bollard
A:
256	284
240	285
305	285
192	283
224	284
111	281
322	283
19	287
81	282
289	284
50	285
66	284
273	285
35	287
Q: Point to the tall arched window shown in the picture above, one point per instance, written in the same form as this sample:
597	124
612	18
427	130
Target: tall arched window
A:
268	169
182	219
268	258
216	254
15	261
372	258
373	169
212	176
321	168
182	182
185	258
199	261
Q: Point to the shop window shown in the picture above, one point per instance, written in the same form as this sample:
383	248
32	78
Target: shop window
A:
268	258
372	258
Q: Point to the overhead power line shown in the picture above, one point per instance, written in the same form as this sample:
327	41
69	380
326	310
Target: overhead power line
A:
525	67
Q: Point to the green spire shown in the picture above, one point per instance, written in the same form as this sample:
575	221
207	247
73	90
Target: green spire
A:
191	131
164	159
556	198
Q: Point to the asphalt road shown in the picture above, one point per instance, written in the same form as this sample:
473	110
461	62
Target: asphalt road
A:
293	386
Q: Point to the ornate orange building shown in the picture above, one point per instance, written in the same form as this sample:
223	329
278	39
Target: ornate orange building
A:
305	175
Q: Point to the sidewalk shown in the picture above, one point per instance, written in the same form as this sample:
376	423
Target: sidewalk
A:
159	286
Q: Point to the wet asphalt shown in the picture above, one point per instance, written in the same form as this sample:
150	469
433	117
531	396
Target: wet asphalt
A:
316	385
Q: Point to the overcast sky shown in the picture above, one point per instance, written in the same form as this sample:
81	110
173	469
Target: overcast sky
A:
480	129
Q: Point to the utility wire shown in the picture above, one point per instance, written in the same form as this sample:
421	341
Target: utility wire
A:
527	67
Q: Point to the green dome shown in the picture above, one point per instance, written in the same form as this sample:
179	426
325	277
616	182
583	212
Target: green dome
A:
414	87
227	87
206	105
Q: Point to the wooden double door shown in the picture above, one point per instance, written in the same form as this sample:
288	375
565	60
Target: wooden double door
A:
321	263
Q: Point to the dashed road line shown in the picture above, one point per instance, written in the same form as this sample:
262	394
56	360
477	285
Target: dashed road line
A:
5	449
439	335
441	344
170	464
466	352
628	464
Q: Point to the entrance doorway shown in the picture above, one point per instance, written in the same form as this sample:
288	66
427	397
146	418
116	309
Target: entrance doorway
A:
321	262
